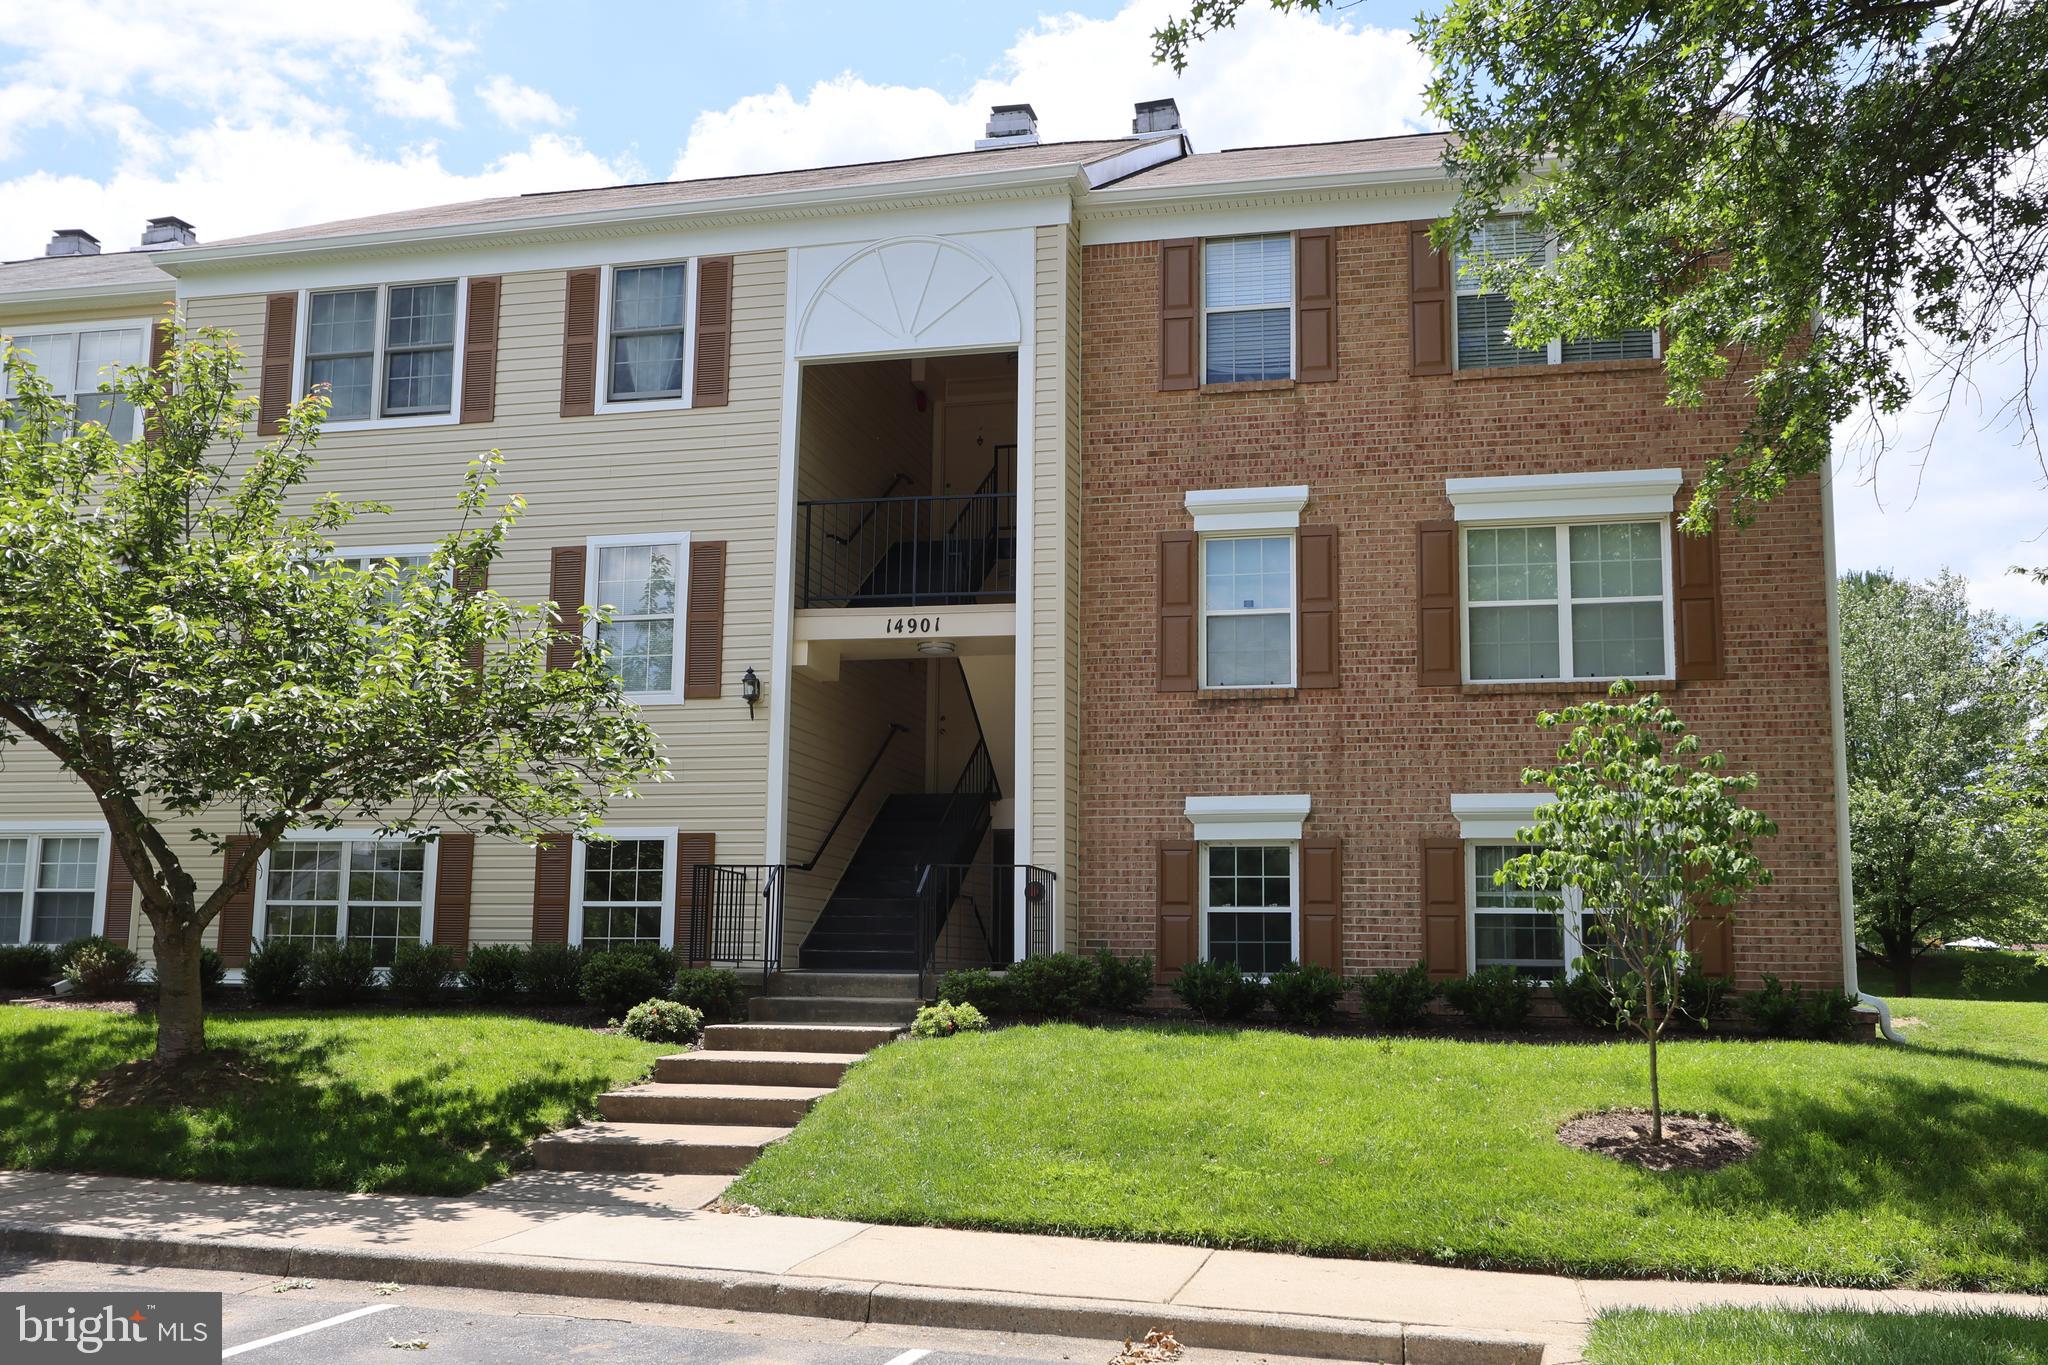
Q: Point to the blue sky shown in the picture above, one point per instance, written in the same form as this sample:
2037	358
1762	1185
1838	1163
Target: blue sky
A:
247	115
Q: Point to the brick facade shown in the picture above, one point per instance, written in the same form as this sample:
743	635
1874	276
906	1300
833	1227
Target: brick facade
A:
1381	756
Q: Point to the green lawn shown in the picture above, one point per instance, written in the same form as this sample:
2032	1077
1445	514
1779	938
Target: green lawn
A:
1924	1165
436	1102
1780	1336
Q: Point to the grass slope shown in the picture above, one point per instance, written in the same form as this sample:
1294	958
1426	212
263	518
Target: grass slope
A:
436	1102
1781	1336
1923	1165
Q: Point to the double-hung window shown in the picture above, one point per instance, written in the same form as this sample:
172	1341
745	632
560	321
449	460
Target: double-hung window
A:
383	351
1483	318
1247	308
407	561
648	341
50	885
1588	600
1248	611
331	890
624	887
75	362
1510	926
639	579
1248	904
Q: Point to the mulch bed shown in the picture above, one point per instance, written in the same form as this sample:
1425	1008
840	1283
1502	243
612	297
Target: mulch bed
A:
1692	1142
203	1079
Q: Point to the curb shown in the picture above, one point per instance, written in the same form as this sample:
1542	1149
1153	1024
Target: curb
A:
1294	1334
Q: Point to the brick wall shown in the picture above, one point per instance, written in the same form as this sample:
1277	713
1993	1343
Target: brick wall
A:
1381	756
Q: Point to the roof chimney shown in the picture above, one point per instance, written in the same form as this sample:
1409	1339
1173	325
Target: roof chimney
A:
1156	117
72	242
1010	125
168	232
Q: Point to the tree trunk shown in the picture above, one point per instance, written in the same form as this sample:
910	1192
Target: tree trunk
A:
1652	1026
180	1013
1899	956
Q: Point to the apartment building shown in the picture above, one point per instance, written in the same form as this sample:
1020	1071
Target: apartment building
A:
1047	545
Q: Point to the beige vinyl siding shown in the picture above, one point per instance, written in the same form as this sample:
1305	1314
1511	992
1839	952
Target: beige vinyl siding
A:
711	472
1056	536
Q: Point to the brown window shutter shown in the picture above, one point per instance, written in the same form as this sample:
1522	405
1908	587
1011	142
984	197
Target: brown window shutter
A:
454	875
1316	606
1436	604
1322	903
480	350
280	347
565	590
551	889
692	852
711	381
238	914
1176	611
1180	931
1696	589
579	343
1443	907
704	632
159	346
1429	304
469	581
120	894
1315	305
1710	938
1180	314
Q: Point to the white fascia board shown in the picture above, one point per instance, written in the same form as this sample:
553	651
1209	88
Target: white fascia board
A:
150	297
1264	818
1498	817
1565	497
1247	509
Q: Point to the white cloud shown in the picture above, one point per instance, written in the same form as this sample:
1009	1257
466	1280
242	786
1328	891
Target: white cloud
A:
401	91
521	106
1082	76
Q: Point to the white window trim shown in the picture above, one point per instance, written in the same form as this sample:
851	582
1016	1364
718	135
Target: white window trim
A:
667	836
1572	911
382	551
1247	819
73	330
302	357
1292	909
1497	818
681	540
1606	495
1554	349
1292	611
35	831
430	869
605	402
1293	308
1567	671
1218	510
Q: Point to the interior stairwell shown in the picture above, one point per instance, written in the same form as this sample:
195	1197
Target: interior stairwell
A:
870	924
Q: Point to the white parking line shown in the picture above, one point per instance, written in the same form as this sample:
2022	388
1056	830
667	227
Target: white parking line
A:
314	1327
907	1357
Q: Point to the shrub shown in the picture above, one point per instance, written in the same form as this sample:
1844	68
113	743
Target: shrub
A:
1306	996
1825	1014
71	948
26	966
664	960
1782	1011
1492	997
714	992
553	974
492	973
663	1021
1589	1002
213	973
2000	976
101	968
1774	1008
1703	997
339	973
617	979
1057	985
1392	999
1218	991
275	972
1122	984
976	986
945	1019
420	970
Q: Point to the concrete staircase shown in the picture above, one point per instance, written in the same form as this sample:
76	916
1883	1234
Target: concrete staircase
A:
711	1111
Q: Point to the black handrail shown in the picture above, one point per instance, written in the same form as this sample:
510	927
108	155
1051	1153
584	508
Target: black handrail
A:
940	885
735	916
887	489
927	550
853	796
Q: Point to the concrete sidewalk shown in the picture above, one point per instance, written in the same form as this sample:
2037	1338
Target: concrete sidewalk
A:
648	1237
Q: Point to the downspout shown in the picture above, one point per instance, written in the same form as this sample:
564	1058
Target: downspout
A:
1844	868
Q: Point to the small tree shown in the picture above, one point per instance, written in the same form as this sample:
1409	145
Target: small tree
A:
1645	828
176	630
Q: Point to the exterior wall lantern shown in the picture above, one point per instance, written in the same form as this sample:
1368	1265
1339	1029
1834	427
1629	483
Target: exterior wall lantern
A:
750	690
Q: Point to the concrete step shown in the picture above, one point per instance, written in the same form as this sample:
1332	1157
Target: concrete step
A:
828	1009
737	1067
708	1102
833	957
797	1037
670	1148
880	985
